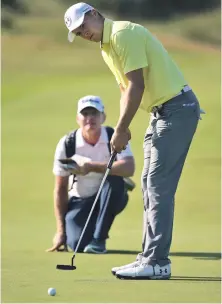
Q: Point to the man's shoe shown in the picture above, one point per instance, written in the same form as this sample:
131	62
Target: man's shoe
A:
95	246
131	265
145	272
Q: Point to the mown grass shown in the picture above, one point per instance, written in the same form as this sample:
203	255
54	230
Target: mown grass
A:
42	78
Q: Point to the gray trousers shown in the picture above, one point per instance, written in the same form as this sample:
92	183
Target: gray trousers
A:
166	144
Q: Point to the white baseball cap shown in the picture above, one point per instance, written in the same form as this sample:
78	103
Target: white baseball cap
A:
90	101
74	17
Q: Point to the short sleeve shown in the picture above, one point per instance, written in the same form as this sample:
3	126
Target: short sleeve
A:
125	153
130	46
60	152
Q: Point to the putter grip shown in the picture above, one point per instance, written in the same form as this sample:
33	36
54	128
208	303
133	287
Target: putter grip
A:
112	158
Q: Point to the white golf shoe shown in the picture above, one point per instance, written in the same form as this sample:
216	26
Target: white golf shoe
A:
131	265
145	272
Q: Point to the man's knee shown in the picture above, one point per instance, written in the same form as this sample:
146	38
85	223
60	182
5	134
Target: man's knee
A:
73	235
69	216
115	192
123	203
71	243
74	223
70	237
116	183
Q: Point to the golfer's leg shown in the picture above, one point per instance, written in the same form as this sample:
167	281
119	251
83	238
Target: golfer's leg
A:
147	150
75	220
171	140
112	201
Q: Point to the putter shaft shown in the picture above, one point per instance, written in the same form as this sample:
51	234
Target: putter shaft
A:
109	166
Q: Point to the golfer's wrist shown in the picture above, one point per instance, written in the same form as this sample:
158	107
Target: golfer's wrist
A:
60	228
97	167
121	128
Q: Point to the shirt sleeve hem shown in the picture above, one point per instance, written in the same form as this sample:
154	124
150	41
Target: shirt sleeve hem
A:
134	68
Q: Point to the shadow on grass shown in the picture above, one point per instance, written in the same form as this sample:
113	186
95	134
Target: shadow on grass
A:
116	251
196	255
202	279
173	278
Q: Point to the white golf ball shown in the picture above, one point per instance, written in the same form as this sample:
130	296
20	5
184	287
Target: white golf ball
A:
51	292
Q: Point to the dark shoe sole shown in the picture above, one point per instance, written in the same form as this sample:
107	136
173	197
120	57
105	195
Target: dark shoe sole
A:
121	277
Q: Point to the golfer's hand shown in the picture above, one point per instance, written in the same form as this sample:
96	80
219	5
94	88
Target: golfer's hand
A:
120	140
58	241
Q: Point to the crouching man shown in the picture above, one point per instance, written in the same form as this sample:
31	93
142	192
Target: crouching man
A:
75	190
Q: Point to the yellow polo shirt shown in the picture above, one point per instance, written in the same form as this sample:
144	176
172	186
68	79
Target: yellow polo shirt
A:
128	46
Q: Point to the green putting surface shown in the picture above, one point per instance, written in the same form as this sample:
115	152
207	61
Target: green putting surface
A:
42	79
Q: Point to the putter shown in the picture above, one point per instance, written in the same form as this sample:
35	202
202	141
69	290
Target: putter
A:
109	166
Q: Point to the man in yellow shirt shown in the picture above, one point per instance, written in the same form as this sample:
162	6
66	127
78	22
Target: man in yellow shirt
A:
148	78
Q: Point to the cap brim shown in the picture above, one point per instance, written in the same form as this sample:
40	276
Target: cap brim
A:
71	35
91	105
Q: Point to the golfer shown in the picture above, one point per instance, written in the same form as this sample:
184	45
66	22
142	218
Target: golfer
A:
75	190
148	78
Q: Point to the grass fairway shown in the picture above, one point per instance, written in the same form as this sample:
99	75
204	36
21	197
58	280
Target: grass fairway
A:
42	78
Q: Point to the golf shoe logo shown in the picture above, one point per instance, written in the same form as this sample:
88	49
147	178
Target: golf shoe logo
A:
68	21
162	271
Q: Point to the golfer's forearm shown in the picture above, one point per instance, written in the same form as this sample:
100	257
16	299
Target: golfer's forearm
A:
122	89
124	168
129	105
60	209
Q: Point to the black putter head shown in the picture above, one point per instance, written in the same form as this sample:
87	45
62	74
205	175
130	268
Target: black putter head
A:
65	267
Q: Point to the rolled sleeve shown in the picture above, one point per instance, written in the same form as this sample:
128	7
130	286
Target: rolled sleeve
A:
130	47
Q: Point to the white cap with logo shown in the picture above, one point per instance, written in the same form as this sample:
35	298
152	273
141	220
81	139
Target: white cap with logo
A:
92	102
74	17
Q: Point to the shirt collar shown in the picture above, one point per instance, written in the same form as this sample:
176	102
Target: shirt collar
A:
80	142
107	30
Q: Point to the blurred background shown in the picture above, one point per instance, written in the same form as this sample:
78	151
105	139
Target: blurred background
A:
43	76
204	25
